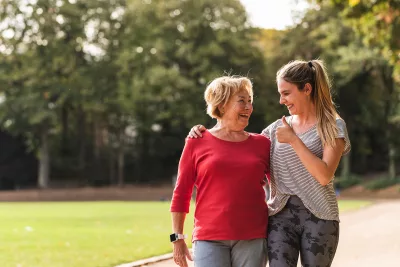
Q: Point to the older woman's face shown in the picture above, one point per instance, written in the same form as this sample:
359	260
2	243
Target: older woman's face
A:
238	110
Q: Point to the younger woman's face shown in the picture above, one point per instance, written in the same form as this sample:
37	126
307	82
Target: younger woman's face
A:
295	100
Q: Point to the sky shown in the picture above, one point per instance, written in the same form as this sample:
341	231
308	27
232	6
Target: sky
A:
275	14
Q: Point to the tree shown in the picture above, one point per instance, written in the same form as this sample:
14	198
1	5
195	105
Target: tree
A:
170	50
356	71
47	67
378	23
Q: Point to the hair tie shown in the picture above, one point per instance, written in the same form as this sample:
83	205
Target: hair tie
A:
310	64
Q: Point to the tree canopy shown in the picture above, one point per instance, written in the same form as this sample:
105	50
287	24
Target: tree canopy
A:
104	92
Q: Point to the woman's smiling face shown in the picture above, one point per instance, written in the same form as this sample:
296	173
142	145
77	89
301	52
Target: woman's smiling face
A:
238	110
294	99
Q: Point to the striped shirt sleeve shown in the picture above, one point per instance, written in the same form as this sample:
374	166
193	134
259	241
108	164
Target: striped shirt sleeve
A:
267	131
342	133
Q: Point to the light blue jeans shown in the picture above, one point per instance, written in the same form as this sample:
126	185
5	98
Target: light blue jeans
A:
230	253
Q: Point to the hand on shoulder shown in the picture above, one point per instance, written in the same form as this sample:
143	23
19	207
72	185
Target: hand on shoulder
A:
196	131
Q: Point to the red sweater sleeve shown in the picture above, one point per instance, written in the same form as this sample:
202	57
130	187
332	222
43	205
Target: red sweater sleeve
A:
185	180
268	170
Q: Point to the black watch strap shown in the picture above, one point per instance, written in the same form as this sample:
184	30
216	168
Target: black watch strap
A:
175	237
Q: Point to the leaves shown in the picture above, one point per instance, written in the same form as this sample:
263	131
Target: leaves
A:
108	78
88	70
353	3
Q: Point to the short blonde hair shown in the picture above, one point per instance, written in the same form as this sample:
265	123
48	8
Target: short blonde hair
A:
221	89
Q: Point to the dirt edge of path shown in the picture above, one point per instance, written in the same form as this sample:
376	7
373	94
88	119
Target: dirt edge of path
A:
153	193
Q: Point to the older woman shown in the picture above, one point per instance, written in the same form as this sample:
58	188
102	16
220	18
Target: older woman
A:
228	167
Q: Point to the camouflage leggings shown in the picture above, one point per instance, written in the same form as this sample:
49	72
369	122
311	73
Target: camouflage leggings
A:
295	229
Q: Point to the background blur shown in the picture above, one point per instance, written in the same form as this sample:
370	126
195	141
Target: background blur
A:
103	92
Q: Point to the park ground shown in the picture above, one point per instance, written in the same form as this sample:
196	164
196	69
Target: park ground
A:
156	193
368	235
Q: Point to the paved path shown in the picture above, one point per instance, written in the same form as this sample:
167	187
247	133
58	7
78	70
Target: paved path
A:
369	237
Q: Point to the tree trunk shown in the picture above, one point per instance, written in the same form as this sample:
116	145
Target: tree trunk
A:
111	161
96	168
392	161
64	129
391	102
96	139
44	160
121	159
345	172
82	140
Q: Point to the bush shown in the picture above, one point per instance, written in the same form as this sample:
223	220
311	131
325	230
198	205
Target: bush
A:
346	182
382	183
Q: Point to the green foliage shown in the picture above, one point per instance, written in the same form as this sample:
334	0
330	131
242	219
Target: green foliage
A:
363	85
47	69
377	22
84	73
166	68
119	83
169	52
381	183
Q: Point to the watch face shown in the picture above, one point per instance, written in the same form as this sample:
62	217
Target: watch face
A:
173	237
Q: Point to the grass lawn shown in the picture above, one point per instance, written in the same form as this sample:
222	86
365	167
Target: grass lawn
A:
348	205
88	234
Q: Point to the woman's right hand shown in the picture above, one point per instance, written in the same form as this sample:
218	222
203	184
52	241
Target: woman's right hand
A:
196	131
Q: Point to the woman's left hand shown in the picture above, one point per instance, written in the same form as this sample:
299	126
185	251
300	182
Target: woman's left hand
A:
285	133
181	253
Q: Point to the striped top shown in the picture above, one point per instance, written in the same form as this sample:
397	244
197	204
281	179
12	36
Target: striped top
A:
290	177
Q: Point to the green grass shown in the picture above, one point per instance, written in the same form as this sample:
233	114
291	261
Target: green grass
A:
88	234
348	205
80	234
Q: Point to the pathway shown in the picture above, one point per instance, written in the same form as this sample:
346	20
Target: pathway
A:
369	237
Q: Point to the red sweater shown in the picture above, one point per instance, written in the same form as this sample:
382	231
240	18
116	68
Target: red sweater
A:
229	177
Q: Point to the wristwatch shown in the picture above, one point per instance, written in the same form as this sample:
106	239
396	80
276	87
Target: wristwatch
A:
175	237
